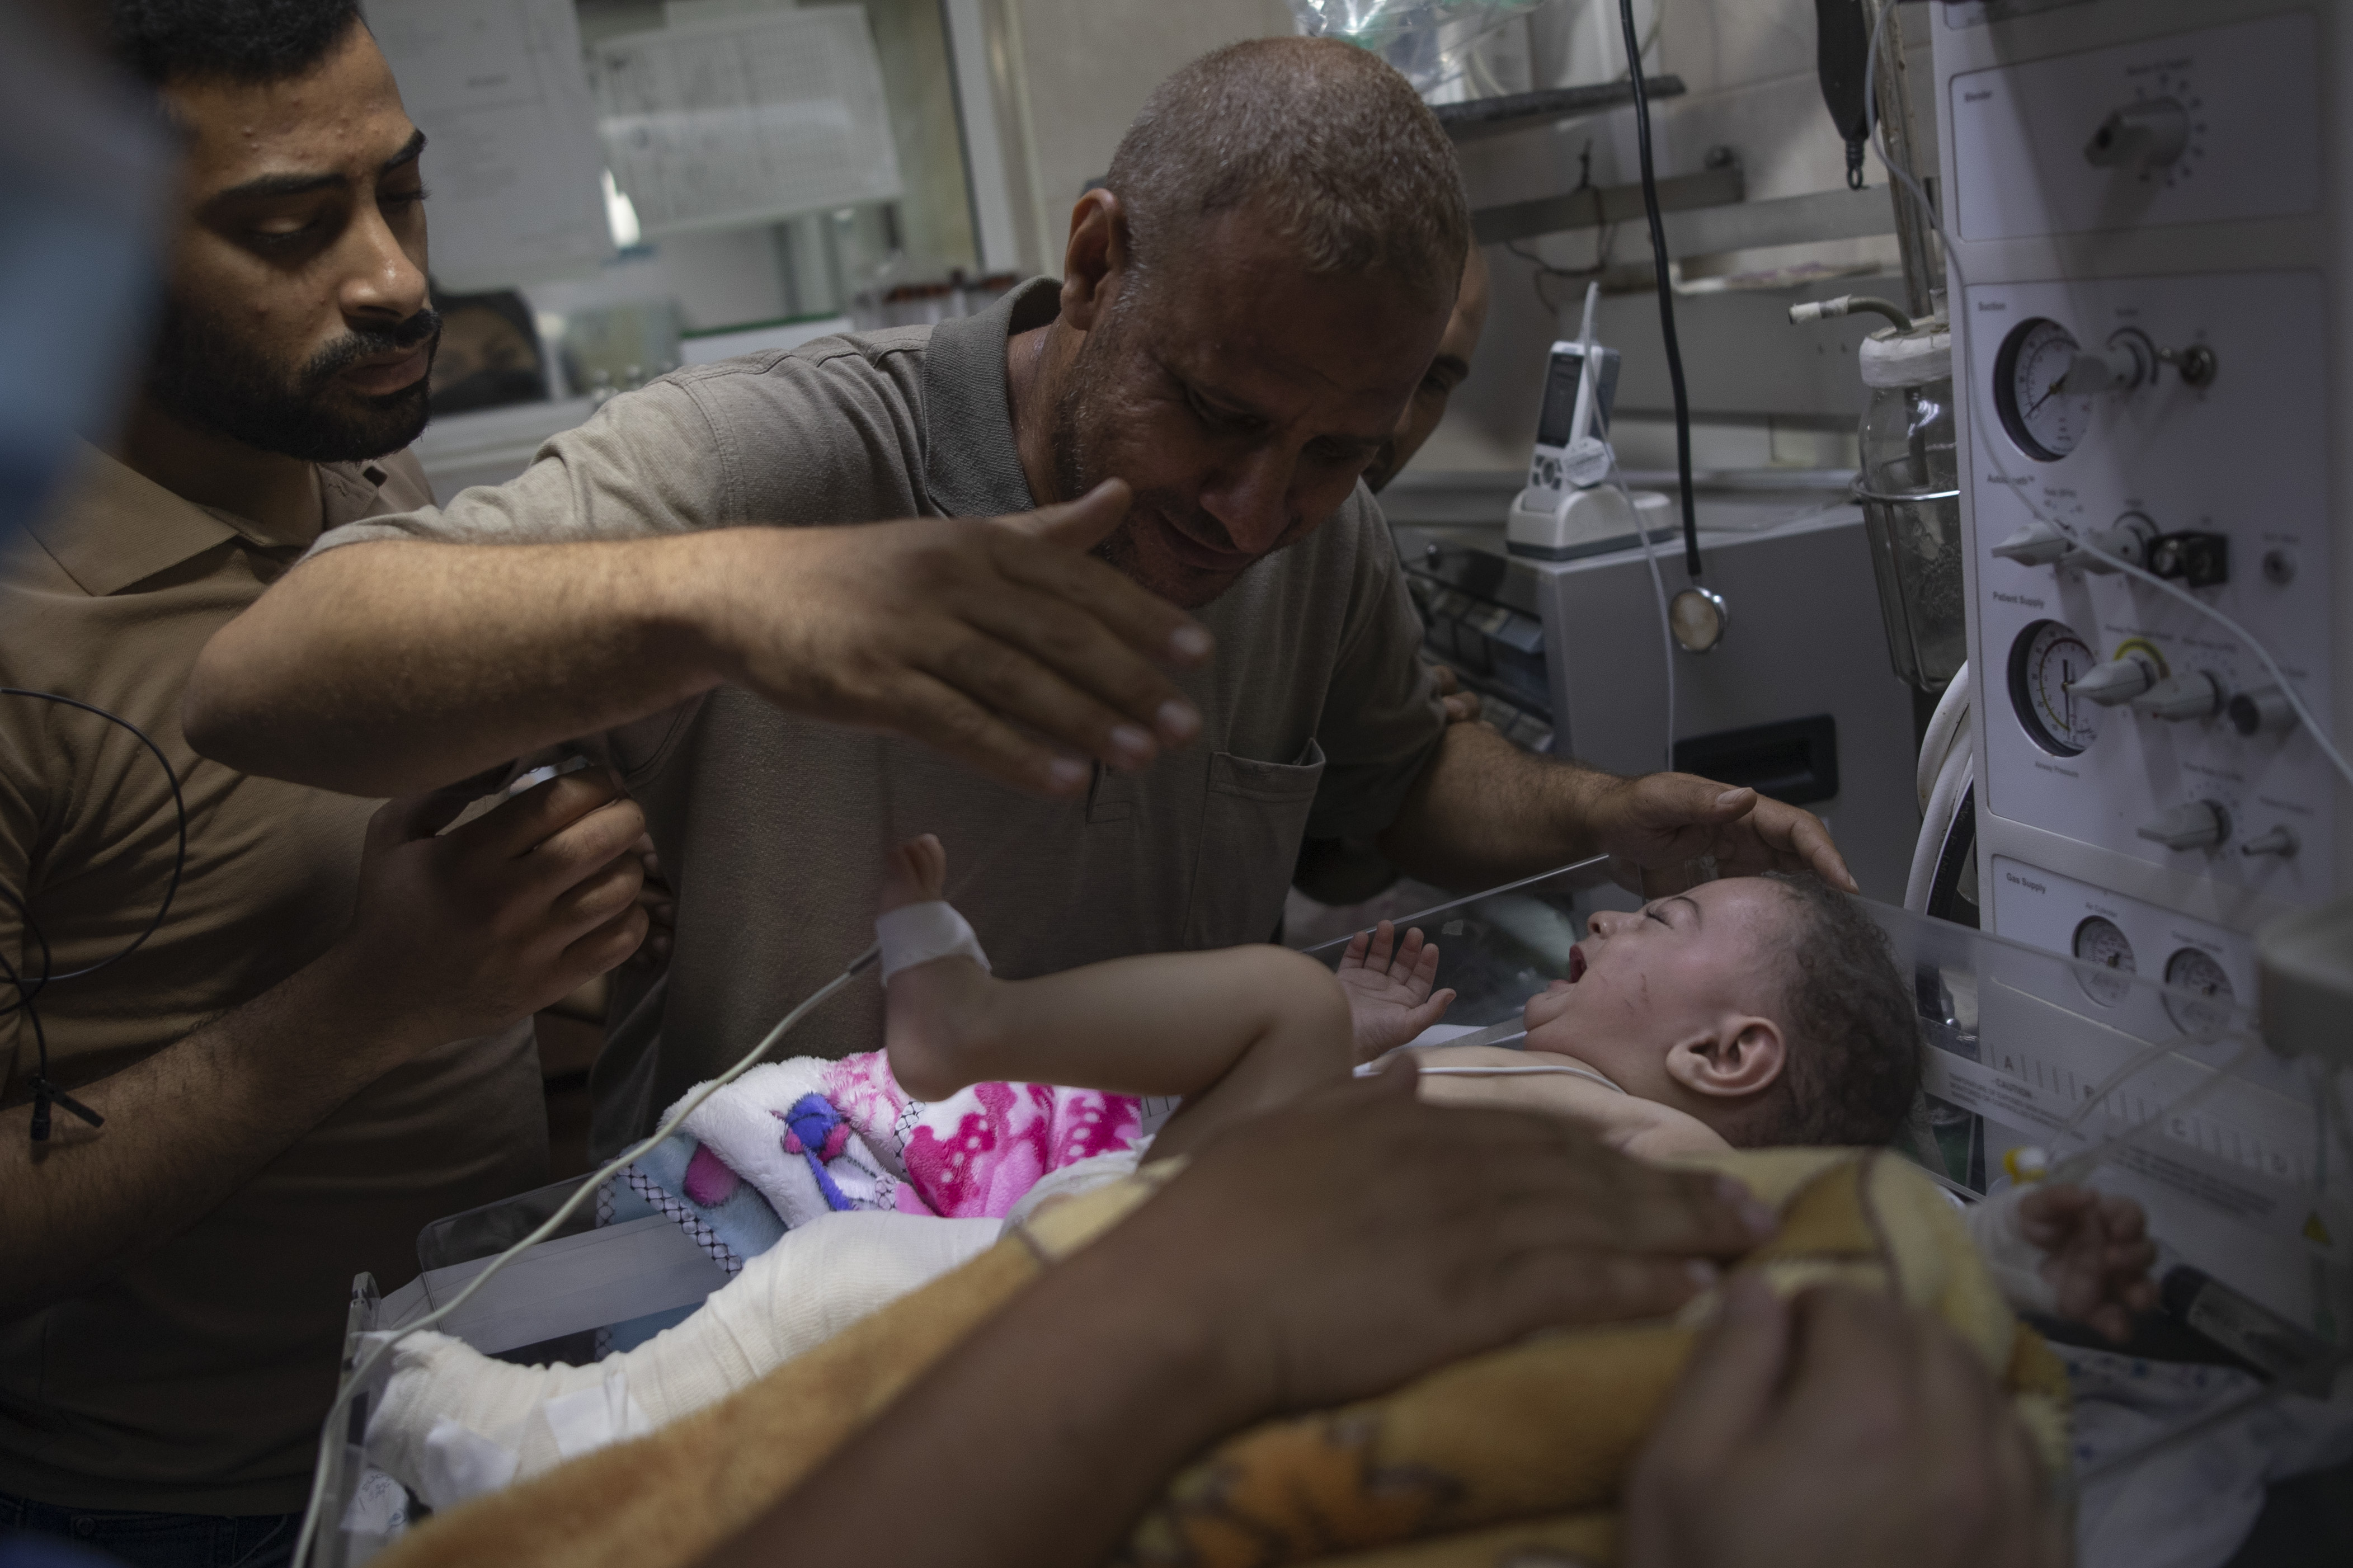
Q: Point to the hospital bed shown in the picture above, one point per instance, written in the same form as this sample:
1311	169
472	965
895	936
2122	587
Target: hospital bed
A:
2239	1154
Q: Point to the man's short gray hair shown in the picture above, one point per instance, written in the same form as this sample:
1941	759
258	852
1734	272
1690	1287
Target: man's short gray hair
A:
1327	142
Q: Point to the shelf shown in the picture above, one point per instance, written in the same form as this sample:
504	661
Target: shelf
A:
1484	117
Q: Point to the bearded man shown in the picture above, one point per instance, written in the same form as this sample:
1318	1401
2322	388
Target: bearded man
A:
1247	305
323	1043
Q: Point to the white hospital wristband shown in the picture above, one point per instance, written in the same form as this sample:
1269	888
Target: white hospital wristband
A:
918	933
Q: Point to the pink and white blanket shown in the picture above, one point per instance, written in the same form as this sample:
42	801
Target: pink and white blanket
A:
811	1136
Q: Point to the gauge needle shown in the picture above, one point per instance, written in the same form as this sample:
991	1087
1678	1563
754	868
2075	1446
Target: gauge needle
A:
2046	396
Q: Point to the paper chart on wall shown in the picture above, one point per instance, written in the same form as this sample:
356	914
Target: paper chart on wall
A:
746	120
514	166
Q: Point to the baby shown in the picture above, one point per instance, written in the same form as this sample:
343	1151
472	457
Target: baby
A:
1748	1012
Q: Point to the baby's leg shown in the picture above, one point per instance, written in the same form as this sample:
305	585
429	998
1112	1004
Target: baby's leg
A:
1236	1031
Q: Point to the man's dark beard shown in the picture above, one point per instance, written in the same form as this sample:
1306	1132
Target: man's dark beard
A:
208	376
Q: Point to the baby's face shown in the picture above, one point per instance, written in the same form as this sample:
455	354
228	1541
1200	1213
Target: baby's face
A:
1641	982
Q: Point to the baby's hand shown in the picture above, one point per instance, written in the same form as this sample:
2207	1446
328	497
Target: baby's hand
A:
1388	992
2097	1254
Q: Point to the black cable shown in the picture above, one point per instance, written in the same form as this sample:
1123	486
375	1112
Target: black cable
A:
1666	288
179	812
43	1092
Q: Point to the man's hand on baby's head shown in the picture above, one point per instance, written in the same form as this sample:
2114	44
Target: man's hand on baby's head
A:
1389	981
1665	822
2097	1254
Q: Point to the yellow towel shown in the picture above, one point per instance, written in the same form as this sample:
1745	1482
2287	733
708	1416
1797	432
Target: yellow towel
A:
1479	1463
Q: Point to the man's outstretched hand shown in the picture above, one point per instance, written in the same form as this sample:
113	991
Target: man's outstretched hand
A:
1003	643
1661	822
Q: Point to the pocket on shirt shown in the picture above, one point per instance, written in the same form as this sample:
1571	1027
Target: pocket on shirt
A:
1253	819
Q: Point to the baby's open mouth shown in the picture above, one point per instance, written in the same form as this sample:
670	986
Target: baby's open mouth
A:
1576	965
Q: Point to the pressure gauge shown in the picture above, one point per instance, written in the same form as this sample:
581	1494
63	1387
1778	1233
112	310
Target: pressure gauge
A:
2047	658
2206	1008
2098	940
2046	422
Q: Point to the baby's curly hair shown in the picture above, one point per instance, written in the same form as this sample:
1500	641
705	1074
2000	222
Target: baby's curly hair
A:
1854	1065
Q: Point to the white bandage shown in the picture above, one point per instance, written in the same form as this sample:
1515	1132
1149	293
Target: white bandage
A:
2015	1263
918	933
453	1423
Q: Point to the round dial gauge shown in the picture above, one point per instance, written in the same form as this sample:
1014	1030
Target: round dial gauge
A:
2045	658
2097	941
2046	422
2205	1007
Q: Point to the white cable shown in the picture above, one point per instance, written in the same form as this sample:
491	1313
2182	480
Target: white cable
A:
1958	281
1953	781
1658	592
1944	727
2075	1167
1514	1072
2279	677
331	1433
1615	481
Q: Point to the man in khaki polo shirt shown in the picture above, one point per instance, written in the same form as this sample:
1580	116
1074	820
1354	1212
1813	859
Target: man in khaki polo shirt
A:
282	1106
1247	304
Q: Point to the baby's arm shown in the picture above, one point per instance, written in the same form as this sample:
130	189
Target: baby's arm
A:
1642	1129
1236	1031
2071	1251
1389	988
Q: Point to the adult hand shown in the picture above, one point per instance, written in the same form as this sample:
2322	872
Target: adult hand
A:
1332	1250
1461	703
1661	822
462	933
1839	1427
660	901
1003	643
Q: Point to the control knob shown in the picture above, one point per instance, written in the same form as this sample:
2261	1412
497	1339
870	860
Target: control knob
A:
2196	695
2116	683
2140	136
2264	710
2127	361
2199	824
2035	544
2281	841
2128	541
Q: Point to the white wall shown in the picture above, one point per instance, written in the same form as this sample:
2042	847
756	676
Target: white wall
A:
1077	70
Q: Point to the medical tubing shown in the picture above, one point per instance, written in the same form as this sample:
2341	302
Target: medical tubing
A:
1937	818
1650	552
1658	592
1659	264
2271	666
1533	1067
2076	1167
1944	726
330	1434
1958	281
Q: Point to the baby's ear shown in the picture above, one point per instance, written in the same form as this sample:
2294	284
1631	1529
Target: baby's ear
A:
1742	1057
